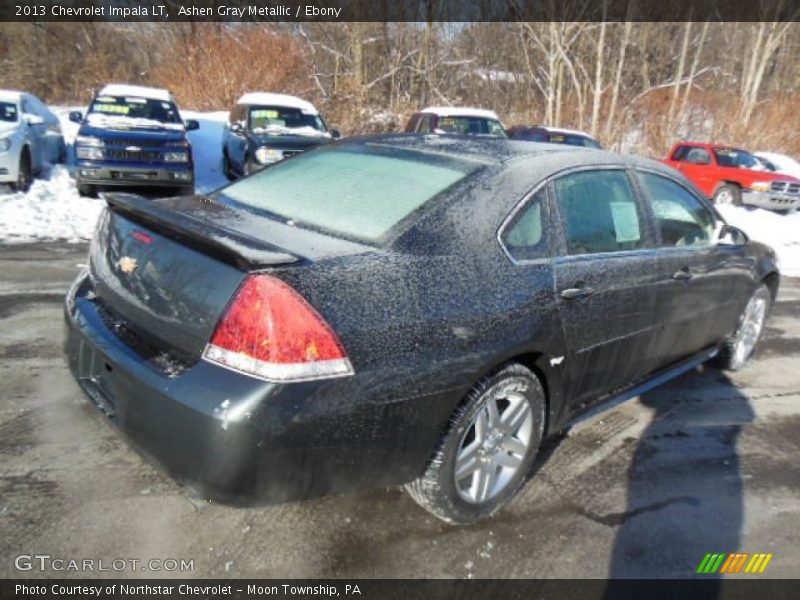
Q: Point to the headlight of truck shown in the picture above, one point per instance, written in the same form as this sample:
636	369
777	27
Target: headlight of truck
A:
760	186
89	153
87	140
268	155
5	144
175	157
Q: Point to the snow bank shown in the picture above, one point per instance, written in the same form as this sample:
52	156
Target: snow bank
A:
782	232
51	210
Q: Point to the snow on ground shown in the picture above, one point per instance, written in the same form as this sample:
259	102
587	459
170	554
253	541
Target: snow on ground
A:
52	209
780	231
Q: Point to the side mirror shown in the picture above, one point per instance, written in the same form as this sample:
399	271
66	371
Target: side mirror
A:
728	235
34	119
237	127
75	116
192	124
335	134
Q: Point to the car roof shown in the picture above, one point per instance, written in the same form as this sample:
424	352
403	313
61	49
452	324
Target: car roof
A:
11	95
461	111
548	129
140	91
495	150
271	99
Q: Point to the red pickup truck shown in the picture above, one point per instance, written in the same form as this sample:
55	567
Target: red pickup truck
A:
733	176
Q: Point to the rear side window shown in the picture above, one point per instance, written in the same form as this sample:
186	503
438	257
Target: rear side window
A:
681	218
599	212
355	192
525	236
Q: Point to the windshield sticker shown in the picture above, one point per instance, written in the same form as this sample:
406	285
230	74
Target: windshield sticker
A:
132	100
626	221
119	109
106	99
265	114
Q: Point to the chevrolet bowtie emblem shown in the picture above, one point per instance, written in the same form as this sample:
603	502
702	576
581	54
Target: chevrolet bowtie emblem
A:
127	264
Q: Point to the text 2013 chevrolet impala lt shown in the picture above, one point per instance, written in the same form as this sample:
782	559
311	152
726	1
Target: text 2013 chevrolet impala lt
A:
403	309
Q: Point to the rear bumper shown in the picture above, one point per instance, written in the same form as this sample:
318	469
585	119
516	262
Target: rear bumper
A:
91	173
240	440
770	200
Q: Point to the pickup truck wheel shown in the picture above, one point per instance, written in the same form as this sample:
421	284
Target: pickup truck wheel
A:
24	174
738	348
728	194
90	191
485	456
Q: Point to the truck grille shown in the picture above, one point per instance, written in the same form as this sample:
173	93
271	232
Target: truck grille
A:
785	187
132	155
141	143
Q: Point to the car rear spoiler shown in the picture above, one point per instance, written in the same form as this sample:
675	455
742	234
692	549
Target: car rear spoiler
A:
204	235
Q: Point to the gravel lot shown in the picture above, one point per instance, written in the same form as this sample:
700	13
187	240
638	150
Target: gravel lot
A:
707	463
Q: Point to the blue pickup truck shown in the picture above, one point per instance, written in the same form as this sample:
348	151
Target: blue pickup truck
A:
133	136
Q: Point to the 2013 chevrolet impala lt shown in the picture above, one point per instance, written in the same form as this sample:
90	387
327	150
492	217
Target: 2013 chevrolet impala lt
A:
403	309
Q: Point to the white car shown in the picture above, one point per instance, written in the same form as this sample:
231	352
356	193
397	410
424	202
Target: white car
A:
30	138
781	162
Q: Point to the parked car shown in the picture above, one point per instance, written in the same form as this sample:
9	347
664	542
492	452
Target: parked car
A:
404	309
30	138
552	135
456	120
734	176
133	136
264	128
780	163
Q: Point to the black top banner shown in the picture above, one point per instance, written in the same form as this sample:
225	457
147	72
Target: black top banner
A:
398	10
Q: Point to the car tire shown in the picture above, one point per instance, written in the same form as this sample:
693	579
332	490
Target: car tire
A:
90	191
737	349
24	173
728	193
492	440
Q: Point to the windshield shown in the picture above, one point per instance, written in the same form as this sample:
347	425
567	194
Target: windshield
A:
264	119
733	157
8	112
470	126
357	192
132	107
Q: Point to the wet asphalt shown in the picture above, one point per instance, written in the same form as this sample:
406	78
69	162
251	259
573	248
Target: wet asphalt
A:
706	463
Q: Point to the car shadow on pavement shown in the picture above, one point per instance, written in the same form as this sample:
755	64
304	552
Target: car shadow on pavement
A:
685	489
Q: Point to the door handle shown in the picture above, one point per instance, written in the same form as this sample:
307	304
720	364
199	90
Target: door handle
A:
572	293
682	275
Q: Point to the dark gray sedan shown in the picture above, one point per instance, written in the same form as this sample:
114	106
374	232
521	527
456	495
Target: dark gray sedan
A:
404	310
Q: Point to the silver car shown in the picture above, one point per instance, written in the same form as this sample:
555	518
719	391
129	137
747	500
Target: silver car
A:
30	138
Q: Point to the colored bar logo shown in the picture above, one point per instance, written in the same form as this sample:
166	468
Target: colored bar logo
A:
733	563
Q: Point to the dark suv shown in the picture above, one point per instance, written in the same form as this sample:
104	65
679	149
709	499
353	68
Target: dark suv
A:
264	128
133	136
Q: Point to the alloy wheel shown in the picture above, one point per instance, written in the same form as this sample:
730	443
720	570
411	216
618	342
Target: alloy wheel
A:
495	443
750	329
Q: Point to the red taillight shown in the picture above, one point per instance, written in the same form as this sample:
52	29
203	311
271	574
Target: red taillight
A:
142	237
269	331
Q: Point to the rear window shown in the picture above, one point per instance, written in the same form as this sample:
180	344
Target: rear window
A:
354	192
469	126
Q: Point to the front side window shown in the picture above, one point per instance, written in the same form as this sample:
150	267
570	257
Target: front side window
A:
734	157
599	212
8	112
698	156
525	237
356	192
681	218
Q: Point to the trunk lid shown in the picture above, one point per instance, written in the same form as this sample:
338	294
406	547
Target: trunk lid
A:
166	269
